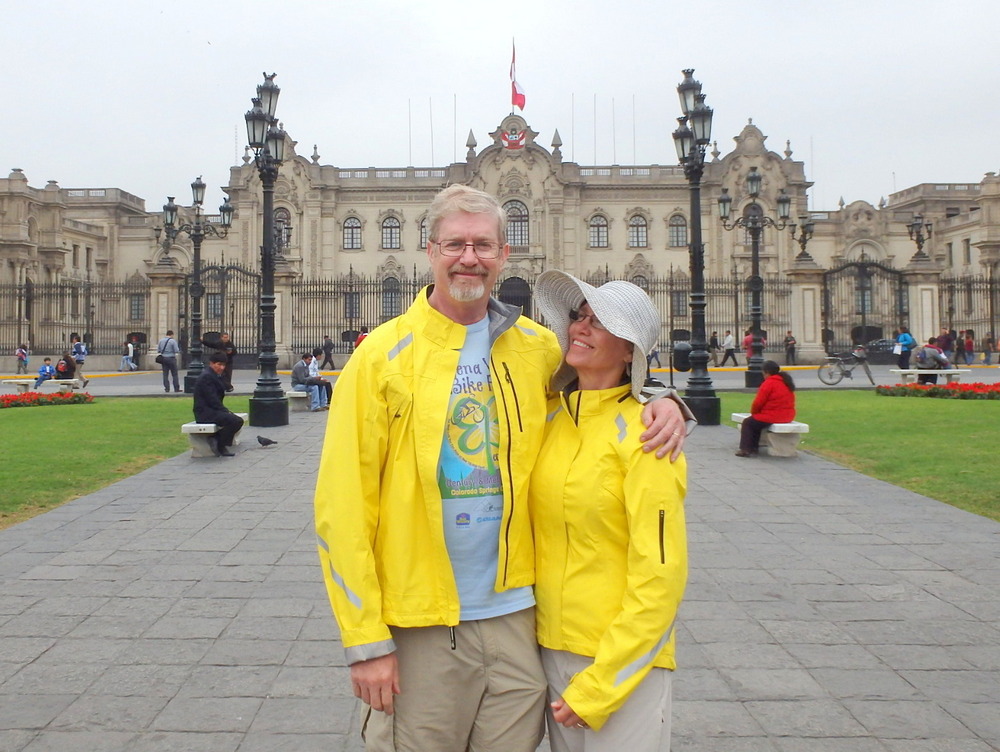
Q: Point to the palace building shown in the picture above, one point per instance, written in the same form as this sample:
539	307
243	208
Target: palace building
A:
352	249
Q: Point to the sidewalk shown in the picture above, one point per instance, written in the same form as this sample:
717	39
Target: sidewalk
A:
183	609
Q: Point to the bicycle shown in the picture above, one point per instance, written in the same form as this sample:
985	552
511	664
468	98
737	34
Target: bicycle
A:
842	365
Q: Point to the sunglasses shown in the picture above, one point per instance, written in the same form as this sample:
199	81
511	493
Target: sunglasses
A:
578	315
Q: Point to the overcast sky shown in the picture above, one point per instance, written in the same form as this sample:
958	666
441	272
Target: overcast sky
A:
874	96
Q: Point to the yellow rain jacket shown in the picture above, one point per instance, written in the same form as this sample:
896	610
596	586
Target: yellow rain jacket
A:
378	504
610	547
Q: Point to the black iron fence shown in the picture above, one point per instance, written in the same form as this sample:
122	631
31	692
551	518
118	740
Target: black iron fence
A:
103	314
970	302
861	302
341	307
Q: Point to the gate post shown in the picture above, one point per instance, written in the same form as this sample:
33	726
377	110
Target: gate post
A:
806	278
922	278
283	279
165	279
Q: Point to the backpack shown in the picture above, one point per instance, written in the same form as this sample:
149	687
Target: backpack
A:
925	358
124	350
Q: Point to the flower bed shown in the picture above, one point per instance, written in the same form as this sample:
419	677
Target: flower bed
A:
36	399
976	391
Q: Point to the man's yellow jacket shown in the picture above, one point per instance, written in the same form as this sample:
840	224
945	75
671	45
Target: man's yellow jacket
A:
378	504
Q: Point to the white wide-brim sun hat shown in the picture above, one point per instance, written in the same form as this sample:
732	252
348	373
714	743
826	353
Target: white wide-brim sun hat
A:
624	309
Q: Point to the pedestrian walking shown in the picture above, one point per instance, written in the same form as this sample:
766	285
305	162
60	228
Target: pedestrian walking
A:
327	352
729	349
21	353
79	352
128	353
713	348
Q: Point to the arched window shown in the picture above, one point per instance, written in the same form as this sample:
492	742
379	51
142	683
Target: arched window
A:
282	228
390	233
598	231
678	231
638	235
640	281
391	298
517	226
352	234
423	233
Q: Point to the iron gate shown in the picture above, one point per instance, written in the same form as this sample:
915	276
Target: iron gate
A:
863	301
232	304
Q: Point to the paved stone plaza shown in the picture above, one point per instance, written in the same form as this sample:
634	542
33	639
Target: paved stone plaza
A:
183	609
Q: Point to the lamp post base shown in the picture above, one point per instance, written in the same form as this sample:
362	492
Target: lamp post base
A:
707	410
268	412
753	379
189	379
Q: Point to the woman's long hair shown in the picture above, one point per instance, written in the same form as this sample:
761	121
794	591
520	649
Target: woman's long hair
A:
771	368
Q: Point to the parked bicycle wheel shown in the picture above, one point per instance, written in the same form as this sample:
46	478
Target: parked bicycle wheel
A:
831	373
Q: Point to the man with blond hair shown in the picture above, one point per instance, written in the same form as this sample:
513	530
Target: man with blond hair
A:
421	513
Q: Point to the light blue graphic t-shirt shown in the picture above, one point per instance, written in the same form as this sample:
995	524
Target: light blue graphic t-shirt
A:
471	490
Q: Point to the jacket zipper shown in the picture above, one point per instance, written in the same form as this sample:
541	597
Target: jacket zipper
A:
517	404
510	471
662	552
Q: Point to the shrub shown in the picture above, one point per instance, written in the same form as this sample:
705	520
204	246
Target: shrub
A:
37	399
976	391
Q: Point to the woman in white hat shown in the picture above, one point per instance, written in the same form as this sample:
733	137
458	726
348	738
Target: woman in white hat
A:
611	550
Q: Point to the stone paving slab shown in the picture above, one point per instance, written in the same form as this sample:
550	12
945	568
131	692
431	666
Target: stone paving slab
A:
183	609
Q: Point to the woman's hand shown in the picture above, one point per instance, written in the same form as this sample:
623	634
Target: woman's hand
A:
564	715
665	428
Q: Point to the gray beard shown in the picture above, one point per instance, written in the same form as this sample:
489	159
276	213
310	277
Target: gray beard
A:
464	293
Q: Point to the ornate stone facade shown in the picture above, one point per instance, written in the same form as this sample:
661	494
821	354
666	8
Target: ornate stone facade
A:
613	220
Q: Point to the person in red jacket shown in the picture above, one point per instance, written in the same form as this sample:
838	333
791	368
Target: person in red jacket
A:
774	403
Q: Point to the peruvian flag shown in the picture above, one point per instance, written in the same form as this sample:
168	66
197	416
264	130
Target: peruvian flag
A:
516	92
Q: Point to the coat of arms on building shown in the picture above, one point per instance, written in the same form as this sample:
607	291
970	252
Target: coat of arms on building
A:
513	133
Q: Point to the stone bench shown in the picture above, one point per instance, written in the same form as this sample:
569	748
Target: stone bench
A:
26	385
298	402
909	375
199	433
780	439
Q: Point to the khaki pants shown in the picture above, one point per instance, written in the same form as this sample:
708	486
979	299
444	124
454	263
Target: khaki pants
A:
642	724
485	694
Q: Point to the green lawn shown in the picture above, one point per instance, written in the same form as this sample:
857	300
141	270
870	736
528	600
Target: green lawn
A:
945	449
53	454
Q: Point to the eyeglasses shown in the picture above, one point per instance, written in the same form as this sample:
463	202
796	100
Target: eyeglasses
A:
483	249
578	315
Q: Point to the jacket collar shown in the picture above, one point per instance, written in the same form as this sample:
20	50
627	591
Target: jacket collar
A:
447	333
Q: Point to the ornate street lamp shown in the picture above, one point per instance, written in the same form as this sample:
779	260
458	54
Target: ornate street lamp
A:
197	231
806	227
916	229
268	406
754	221
693	134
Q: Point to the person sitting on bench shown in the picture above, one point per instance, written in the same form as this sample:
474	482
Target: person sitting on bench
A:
209	391
774	403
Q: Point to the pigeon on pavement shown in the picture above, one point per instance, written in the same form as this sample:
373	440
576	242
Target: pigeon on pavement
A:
265	442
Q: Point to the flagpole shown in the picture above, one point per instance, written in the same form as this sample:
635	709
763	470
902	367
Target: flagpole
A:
614	134
572	126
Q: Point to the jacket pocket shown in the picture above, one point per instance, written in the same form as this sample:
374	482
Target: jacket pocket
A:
663	553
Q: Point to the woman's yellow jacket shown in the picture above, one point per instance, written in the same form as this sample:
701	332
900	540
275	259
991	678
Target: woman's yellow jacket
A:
610	547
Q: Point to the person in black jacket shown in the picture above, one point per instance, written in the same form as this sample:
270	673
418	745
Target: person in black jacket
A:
209	391
225	345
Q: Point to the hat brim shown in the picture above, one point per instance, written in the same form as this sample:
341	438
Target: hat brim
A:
624	309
